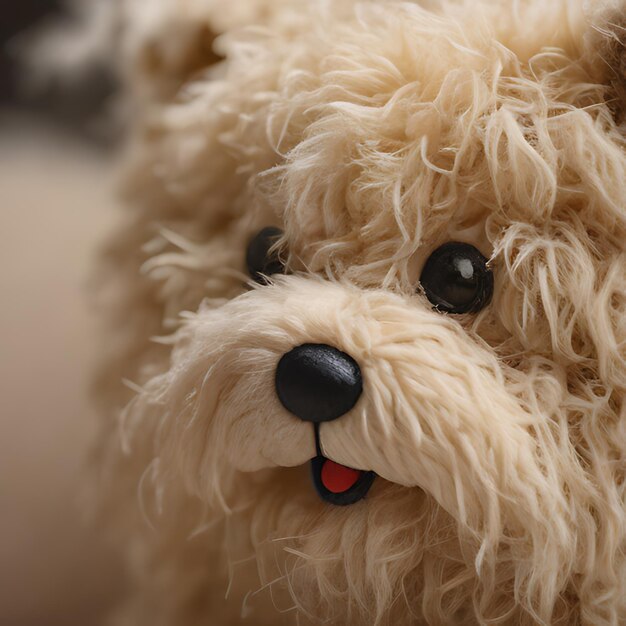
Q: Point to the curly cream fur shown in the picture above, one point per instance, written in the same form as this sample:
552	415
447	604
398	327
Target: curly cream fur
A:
372	133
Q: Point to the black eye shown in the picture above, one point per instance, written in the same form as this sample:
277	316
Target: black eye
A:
456	278
259	260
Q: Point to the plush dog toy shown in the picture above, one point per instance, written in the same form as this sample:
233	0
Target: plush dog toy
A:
370	305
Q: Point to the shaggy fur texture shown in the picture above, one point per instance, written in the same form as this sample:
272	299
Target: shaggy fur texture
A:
371	133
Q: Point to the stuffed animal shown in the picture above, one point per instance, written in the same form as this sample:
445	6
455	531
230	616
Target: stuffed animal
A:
367	314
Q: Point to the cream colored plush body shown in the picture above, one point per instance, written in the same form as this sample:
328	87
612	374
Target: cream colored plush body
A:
371	133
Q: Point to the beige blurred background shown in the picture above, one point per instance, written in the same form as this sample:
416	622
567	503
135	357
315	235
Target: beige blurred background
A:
55	207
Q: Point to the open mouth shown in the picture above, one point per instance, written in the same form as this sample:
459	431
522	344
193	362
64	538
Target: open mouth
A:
339	484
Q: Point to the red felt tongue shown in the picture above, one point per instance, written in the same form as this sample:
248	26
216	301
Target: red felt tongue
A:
338	478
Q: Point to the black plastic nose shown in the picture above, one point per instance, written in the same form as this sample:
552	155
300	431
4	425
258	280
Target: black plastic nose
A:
318	383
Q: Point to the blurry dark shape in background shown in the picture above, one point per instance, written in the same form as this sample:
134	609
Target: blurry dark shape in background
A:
79	103
16	16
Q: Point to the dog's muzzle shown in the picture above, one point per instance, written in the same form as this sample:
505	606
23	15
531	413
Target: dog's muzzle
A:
319	383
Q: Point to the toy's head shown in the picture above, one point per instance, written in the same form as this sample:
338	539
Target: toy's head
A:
398	235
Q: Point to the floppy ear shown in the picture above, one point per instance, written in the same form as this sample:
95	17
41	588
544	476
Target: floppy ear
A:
605	51
164	43
161	46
